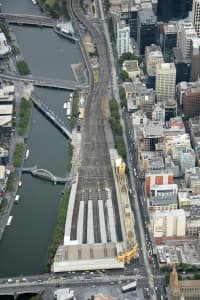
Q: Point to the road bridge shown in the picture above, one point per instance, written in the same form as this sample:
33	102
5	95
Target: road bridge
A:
43	173
45	82
24	19
51	116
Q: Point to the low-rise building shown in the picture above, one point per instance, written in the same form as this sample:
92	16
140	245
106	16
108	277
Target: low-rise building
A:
193	219
158	113
3	156
162	197
64	294
192	178
153	137
158	178
179	251
132	68
4	47
139	118
175	142
174	126
137	95
151	162
184	199
187	160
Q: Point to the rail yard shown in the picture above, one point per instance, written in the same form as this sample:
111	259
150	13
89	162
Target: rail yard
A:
99	229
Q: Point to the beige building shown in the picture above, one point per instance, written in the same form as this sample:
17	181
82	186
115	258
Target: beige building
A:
192	178
165	82
168	223
184	289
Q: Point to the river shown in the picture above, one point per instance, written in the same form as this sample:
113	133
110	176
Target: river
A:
24	246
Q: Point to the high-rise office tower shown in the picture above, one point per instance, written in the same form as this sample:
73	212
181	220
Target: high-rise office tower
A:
133	15
123	38
173	9
186	33
169	37
196	16
195	60
165	82
146	29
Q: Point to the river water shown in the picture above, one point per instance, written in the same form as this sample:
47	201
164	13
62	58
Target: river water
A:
24	246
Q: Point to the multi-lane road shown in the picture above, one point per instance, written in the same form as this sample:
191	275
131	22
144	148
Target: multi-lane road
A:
140	225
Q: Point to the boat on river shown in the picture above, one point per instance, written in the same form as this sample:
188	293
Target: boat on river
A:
17	199
68	113
27	154
34	1
9	221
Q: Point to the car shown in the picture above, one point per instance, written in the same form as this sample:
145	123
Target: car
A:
24	279
10	280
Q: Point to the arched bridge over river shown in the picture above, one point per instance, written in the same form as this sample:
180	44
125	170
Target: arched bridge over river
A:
45	174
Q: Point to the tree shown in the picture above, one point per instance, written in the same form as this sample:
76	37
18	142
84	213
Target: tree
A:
127	56
124	75
122	95
35	298
113	105
22	67
110	28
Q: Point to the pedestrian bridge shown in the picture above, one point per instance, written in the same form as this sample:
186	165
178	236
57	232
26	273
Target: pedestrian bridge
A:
51	116
45	174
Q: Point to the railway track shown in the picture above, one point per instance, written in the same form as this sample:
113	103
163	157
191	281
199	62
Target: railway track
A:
95	173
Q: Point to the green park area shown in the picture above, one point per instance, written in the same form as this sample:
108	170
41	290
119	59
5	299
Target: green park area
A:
116	127
25	111
59	229
22	67
18	155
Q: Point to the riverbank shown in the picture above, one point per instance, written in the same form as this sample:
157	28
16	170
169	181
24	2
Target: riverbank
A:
58	235
39	200
16	160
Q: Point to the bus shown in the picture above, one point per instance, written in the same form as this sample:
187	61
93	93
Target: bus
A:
129	287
